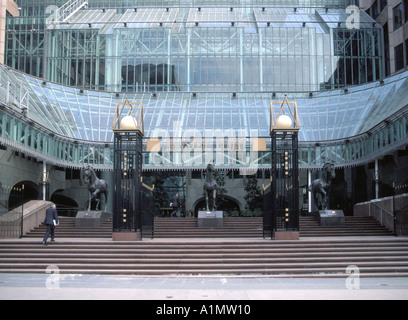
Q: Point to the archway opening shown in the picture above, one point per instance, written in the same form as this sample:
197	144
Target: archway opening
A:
19	196
66	206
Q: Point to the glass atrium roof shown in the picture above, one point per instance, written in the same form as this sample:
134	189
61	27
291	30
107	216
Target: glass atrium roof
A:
210	17
88	115
95	19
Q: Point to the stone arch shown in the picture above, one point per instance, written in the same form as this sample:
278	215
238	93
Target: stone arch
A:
31	192
66	206
230	204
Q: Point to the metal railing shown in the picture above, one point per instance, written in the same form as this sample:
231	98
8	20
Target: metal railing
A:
401	221
394	216
11	221
383	210
69	9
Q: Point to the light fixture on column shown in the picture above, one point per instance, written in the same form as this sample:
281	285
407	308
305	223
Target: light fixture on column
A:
128	128
284	197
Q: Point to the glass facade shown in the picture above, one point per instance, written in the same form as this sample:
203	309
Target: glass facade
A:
206	73
196	46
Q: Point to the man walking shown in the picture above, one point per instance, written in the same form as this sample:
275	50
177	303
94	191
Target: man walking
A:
176	205
51	221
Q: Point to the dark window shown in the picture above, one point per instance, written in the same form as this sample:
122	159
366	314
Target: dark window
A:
406	51
399	57
375	11
387	51
383	4
405	2
397	13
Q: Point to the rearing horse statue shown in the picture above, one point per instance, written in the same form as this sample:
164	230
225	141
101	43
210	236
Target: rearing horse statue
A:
321	187
210	188
96	187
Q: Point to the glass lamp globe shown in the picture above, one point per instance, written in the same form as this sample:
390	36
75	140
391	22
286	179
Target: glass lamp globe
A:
284	122
128	123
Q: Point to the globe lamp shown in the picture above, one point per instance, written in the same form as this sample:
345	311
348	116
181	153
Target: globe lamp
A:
128	123
283	122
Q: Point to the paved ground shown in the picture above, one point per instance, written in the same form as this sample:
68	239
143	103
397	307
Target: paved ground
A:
96	287
192	290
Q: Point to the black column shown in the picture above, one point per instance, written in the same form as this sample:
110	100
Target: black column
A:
285	181
127	182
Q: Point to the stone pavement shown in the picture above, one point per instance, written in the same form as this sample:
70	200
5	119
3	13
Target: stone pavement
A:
97	287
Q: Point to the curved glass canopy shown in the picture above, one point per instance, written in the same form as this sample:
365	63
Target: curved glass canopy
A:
327	115
73	127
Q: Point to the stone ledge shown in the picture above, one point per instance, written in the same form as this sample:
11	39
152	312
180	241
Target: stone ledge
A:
286	235
127	236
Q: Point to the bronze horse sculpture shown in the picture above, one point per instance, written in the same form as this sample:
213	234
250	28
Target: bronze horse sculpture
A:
210	188
321	187
96	187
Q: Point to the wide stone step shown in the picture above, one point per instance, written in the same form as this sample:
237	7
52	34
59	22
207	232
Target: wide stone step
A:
221	261
238	227
386	256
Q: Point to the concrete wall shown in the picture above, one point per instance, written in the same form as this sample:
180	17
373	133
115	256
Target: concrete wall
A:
16	168
34	214
383	209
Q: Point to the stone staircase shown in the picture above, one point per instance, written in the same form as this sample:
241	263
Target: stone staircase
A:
239	227
67	229
328	257
354	226
179	248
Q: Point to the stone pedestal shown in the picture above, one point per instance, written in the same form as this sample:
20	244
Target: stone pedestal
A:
91	219
286	235
210	219
127	236
331	218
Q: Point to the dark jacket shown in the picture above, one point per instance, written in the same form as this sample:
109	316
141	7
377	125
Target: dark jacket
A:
176	201
51	214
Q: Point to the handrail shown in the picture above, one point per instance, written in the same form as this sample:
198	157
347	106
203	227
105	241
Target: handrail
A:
391	214
378	206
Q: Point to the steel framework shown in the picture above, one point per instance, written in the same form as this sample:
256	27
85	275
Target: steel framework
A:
284	194
128	157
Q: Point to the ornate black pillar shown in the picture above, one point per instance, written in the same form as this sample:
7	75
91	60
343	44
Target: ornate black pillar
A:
285	172
128	143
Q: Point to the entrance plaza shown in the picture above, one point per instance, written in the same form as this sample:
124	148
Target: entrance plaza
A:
185	289
144	117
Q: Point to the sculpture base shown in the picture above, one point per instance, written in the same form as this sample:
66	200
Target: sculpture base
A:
127	236
331	218
210	219
286	235
91	219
